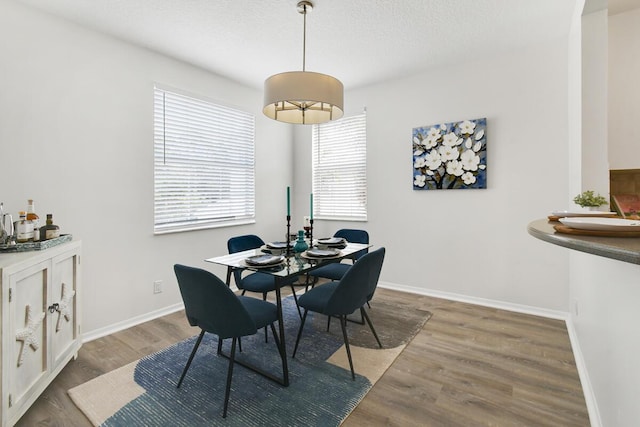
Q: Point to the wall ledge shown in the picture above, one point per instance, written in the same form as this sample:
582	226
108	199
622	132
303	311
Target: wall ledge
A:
626	249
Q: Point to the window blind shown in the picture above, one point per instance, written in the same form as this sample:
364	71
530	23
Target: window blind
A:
204	163
340	169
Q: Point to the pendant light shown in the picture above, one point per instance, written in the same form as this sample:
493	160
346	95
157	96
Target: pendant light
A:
303	97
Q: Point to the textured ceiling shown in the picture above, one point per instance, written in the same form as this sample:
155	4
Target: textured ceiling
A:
358	41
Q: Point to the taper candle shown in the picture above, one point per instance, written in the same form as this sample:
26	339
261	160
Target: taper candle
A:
288	201
311	203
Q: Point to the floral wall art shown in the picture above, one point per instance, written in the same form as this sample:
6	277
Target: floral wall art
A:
450	155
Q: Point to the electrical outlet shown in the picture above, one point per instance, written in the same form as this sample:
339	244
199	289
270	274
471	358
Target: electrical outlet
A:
157	286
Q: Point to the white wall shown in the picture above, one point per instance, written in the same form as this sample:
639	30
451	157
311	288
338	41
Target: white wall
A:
606	294
76	135
469	242
595	162
574	162
624	90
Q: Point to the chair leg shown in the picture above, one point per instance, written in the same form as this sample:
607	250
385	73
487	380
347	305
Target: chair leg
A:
343	323
193	353
364	314
328	322
229	375
304	318
266	336
220	341
295	298
312	283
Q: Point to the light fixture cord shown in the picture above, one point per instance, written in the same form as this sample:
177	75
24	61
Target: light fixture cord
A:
304	38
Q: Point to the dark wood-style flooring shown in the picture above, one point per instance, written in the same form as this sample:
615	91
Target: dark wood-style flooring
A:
469	366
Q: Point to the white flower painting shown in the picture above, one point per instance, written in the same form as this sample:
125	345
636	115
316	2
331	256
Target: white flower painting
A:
450	155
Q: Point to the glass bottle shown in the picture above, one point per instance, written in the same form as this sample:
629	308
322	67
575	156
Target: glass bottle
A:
31	213
35	219
307	227
49	231
24	229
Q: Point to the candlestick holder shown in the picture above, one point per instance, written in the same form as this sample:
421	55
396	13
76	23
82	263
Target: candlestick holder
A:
307	226
311	233
288	235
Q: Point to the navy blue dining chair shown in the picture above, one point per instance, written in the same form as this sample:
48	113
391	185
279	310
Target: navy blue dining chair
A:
343	297
258	282
335	270
210	305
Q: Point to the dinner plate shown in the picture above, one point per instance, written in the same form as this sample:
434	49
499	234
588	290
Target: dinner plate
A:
331	241
603	224
582	213
264	260
322	253
271	267
278	245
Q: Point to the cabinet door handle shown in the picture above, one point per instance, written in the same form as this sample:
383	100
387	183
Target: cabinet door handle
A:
53	307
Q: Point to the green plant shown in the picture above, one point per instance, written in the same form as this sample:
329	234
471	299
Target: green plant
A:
587	198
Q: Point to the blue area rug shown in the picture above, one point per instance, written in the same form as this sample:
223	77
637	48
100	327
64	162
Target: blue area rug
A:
320	393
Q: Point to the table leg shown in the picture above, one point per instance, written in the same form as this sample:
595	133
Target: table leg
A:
283	343
281	348
229	270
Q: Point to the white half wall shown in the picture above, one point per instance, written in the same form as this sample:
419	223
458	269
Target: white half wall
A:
605	316
76	135
469	242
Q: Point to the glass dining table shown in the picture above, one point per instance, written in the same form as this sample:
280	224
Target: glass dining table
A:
292	266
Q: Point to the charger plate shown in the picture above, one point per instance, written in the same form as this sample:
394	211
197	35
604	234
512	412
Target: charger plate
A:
602	224
322	253
264	260
599	233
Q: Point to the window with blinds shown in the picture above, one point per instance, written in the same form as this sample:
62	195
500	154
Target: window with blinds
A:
340	169
204	164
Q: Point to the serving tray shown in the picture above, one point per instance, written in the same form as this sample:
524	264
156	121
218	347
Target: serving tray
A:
36	246
602	233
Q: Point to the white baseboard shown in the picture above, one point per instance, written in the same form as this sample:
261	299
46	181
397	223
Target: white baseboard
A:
518	308
589	396
116	327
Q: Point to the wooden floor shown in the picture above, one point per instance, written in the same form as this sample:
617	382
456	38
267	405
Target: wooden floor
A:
468	366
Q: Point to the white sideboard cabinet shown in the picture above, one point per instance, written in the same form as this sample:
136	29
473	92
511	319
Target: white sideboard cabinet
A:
40	322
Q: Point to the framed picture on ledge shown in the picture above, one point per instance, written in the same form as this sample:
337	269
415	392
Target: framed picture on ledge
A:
626	204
